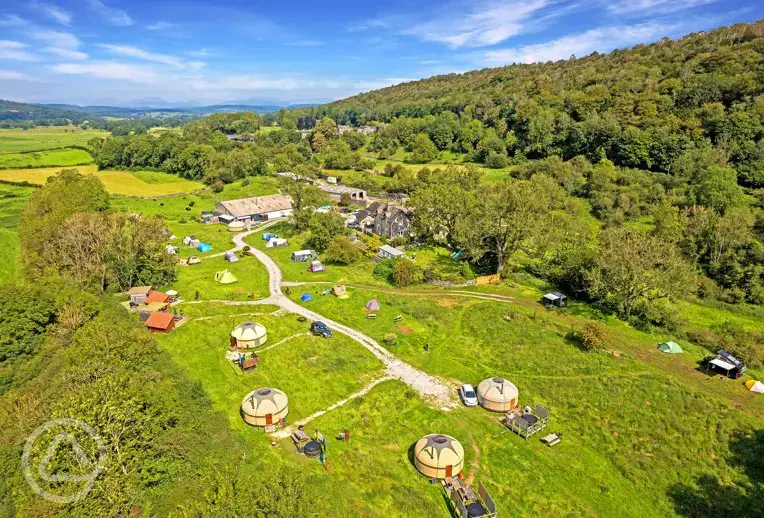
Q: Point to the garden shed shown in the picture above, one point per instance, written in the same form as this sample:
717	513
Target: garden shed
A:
264	406
248	335
497	394
138	294
159	322
157	296
555	299
439	456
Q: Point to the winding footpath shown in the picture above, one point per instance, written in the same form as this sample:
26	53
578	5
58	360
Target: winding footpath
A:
432	389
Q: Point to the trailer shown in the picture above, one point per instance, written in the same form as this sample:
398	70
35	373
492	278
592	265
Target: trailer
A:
465	503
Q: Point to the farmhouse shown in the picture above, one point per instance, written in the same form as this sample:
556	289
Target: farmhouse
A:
336	191
259	208
390	221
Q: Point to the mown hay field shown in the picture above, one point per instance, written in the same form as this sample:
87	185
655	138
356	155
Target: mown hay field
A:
126	183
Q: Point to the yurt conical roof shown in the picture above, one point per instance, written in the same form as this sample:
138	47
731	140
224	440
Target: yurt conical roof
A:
497	394
265	401
247	331
438	456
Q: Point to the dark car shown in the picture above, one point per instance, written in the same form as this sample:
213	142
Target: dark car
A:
320	329
725	364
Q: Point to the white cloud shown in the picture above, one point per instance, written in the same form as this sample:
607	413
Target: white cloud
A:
15	51
66	53
110	70
64	40
201	53
160	26
53	12
111	14
12	75
487	23
602	39
138	53
12	20
305	43
652	7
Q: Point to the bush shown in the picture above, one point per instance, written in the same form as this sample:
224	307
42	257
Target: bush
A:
245	182
342	251
407	273
594	336
218	186
345	199
384	271
391	339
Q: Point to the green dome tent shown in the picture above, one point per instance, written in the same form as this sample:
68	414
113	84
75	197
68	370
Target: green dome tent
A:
225	277
670	348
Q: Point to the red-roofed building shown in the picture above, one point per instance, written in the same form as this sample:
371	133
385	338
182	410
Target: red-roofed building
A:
157	296
159	322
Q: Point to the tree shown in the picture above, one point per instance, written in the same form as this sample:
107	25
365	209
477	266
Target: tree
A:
305	197
407	273
354	139
717	188
323	227
342	251
26	314
65	194
632	271
423	150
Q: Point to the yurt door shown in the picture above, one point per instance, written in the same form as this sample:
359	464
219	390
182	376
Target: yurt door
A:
449	471
268	419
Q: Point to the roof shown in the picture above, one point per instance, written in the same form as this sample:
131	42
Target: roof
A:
391	250
339	189
157	296
159	320
721	363
554	296
140	290
153	306
257	205
302	252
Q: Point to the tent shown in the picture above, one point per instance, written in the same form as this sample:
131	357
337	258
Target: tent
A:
225	277
372	305
755	386
439	456
194	260
277	242
316	267
340	292
670	348
204	247
497	394
267	236
303	256
231	257
264	407
236	226
306	297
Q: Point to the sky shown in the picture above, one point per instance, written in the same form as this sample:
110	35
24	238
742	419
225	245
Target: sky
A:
159	53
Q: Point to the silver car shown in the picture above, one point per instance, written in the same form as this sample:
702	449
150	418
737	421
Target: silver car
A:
467	394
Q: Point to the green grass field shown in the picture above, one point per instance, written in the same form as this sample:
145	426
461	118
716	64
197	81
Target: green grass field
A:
52	158
9	244
42	138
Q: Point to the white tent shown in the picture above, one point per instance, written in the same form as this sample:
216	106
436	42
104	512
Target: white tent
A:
755	386
277	242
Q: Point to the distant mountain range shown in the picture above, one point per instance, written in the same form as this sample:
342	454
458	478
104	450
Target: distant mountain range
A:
15	111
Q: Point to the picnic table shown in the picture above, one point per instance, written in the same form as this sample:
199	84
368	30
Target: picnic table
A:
300	438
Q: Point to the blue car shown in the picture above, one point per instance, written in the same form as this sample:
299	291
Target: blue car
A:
320	329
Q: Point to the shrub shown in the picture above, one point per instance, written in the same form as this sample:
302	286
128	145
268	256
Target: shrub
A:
594	336
384	271
345	199
245	182
218	186
407	273
196	295
391	339
342	251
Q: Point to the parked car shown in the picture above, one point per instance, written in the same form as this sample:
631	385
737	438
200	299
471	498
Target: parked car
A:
320	329
725	364
467	395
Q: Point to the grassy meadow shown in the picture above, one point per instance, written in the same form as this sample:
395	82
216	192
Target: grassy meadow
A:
55	157
44	138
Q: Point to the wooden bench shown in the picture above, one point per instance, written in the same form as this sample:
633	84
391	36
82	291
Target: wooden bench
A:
371	316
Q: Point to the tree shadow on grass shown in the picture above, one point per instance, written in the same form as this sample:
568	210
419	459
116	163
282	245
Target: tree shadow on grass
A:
710	496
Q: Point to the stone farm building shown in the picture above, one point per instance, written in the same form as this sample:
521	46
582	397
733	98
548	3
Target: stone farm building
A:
336	191
390	221
259	208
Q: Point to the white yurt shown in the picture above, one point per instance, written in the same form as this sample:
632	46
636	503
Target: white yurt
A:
264	406
248	335
439	456
497	395
236	226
